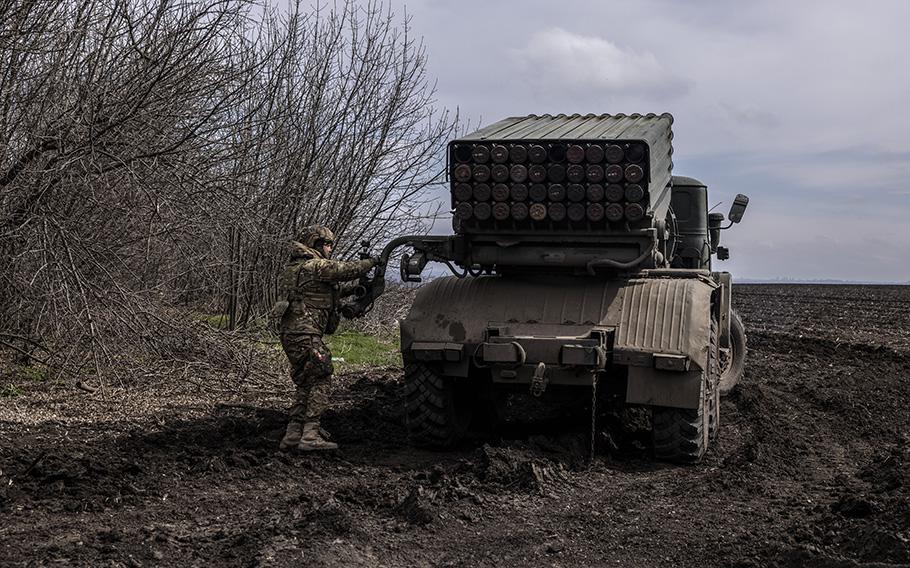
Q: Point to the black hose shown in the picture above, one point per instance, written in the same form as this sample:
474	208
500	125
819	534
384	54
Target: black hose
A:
455	272
610	263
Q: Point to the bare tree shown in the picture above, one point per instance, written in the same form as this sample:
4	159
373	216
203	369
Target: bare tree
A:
104	106
348	135
159	154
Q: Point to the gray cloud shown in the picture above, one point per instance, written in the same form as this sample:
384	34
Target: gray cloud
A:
558	61
752	115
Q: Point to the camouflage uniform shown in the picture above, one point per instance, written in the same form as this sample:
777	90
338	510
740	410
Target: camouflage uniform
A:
308	294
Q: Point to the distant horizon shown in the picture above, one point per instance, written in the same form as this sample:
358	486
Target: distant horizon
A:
817	281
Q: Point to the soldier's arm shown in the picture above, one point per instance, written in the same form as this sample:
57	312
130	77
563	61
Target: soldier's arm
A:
340	270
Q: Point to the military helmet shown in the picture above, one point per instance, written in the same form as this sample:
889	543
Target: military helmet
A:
312	235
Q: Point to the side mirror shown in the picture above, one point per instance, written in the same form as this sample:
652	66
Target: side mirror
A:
738	208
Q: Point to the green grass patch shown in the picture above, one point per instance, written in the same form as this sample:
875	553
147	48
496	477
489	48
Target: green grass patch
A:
357	349
218	321
31	373
9	390
22	378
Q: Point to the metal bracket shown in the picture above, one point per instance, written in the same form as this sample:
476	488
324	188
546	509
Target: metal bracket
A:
539	380
412	265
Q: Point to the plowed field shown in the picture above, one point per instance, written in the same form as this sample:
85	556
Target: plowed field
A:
812	469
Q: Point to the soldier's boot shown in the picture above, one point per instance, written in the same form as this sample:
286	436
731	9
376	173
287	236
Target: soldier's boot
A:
291	436
312	439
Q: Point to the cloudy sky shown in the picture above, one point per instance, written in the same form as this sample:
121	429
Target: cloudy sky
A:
801	105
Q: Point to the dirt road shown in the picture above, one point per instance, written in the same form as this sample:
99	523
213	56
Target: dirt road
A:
812	469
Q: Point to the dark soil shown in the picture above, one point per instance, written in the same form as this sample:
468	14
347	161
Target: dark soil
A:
812	469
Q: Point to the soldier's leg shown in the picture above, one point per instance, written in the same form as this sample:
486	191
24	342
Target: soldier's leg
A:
297	349
319	370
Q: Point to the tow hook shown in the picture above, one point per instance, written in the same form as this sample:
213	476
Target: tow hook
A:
539	380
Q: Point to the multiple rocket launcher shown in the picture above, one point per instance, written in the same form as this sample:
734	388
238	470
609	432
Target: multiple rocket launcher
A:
589	173
549	182
564	225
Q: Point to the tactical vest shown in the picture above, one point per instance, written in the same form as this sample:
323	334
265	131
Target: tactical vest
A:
305	305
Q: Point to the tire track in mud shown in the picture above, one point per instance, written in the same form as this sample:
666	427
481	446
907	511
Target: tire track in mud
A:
824	420
858	385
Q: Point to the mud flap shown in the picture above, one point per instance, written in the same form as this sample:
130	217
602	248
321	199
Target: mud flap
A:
663	388
724	306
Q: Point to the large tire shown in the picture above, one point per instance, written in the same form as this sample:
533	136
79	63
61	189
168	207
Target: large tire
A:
734	364
679	434
438	410
682	435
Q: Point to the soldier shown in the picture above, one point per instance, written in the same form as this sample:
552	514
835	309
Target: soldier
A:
307	305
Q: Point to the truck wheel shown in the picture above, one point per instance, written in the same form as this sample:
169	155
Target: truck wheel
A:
734	364
438	409
682	435
679	434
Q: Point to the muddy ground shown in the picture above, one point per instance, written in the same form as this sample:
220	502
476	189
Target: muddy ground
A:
812	469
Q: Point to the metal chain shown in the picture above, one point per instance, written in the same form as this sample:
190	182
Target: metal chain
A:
593	416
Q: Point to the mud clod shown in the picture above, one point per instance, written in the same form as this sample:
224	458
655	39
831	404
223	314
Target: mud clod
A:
415	507
520	468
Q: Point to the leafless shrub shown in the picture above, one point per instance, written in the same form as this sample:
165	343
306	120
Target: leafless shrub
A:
160	154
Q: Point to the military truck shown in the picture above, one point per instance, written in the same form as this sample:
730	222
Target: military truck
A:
580	263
